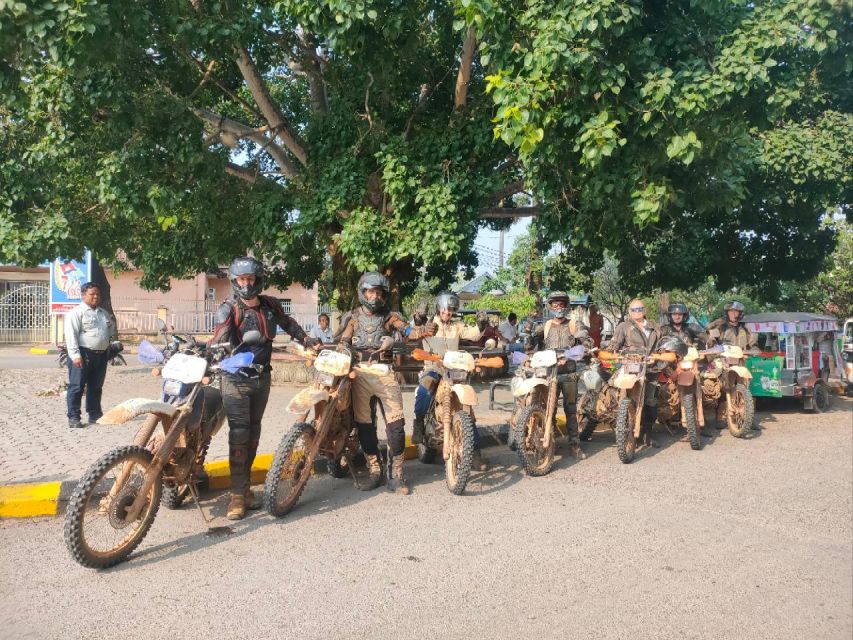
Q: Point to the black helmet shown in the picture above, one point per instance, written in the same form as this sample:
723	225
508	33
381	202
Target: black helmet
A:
734	305
558	296
673	344
246	266
420	314
447	300
678	307
373	280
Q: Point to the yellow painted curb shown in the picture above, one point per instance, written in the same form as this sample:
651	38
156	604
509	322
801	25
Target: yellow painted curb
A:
39	351
28	500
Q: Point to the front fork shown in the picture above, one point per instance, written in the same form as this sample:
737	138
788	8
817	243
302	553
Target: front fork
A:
550	411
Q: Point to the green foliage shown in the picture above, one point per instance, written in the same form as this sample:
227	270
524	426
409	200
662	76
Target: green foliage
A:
520	301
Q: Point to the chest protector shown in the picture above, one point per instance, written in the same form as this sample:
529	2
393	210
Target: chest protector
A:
559	336
369	329
261	318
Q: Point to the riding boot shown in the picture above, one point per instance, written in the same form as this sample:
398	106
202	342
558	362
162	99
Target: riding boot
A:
374	470
238	455
397	483
418	430
236	507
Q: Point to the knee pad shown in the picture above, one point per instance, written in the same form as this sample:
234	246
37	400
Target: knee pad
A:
396	436
367	438
239	435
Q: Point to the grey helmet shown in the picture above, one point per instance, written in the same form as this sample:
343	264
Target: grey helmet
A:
447	300
373	280
734	305
678	307
420	314
673	344
558	296
246	266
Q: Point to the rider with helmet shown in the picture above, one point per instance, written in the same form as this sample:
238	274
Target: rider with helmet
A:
691	333
730	329
368	324
245	393
561	332
443	325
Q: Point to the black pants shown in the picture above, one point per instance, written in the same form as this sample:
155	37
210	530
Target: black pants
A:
394	432
245	401
568	388
89	378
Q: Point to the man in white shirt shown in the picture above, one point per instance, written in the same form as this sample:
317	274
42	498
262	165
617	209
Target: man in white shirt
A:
509	333
89	329
321	330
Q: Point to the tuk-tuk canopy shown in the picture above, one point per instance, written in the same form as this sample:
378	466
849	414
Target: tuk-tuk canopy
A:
789	322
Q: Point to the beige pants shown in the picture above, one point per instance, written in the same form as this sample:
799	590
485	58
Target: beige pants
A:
384	387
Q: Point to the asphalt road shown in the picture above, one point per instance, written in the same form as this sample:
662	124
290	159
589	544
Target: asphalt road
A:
744	539
21	358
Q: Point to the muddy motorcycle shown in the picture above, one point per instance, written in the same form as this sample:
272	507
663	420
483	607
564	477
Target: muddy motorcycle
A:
331	433
680	396
449	422
598	402
535	388
113	506
725	387
631	381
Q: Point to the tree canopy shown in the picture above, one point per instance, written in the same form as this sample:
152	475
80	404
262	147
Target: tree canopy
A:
331	136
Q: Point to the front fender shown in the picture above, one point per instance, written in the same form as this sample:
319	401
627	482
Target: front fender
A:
743	372
305	400
686	378
129	409
524	387
465	393
625	380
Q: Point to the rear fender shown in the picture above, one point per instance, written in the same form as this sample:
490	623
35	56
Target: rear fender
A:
130	409
466	394
305	400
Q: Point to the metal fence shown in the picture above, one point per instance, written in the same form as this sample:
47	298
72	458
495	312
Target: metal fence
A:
25	314
145	322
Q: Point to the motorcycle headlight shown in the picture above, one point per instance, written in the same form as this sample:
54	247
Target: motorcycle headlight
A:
541	372
457	375
326	379
686	365
172	387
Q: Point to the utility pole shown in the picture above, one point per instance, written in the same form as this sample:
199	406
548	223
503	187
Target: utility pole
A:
501	249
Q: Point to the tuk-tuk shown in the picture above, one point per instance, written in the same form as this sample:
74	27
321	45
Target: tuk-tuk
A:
796	351
847	354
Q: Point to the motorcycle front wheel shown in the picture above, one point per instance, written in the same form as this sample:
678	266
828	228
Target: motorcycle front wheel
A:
626	444
529	434
288	476
97	531
740	411
457	468
584	411
691	423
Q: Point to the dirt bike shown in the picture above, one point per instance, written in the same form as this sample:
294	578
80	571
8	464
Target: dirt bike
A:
630	380
116	360
113	506
535	388
449	422
332	432
725	386
680	396
599	401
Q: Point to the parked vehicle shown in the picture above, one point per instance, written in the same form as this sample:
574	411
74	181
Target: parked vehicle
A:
449	422
796	350
113	506
847	351
331	432
115	349
535	387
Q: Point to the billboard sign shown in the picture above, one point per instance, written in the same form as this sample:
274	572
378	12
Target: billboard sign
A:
66	278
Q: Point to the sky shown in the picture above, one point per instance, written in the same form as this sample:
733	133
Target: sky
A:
487	243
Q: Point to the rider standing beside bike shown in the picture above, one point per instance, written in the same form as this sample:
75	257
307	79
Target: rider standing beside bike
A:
678	325
640	335
367	325
246	392
561	332
730	330
444	325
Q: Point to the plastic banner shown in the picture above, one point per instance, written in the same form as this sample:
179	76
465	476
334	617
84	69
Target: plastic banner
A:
766	376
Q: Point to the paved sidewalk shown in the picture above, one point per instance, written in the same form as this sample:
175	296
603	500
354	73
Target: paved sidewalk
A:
36	444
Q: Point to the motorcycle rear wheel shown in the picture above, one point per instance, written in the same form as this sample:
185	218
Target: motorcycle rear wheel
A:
626	444
457	467
97	532
286	478
528	435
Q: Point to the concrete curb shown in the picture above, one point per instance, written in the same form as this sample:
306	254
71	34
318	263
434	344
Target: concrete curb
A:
30	500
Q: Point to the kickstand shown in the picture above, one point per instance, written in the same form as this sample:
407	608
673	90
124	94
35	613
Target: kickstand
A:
666	426
194	493
351	471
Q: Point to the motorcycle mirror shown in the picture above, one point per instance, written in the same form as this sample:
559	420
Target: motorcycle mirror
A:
252	338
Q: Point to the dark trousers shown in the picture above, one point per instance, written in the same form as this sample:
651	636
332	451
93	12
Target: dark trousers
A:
89	378
245	401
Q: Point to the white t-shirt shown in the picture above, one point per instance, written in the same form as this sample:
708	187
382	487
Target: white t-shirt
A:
319	334
508	331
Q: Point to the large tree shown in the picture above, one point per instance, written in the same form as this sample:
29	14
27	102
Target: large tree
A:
331	136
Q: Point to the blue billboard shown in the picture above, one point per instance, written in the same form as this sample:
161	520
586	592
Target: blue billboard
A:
66	278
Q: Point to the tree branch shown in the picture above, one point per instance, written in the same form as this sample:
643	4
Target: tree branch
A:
243	173
269	109
223	124
505	192
506	212
461	93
